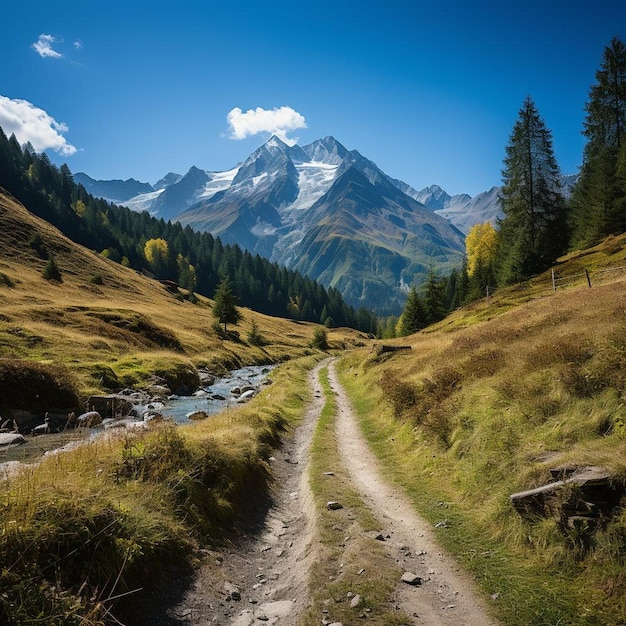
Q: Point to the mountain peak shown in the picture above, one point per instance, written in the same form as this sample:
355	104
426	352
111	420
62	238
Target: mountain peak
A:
327	150
434	197
275	142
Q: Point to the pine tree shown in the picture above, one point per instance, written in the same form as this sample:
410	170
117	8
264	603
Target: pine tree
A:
413	317
434	298
599	198
51	271
224	309
533	231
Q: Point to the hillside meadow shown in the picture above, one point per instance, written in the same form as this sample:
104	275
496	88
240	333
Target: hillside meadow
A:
484	405
84	530
104	326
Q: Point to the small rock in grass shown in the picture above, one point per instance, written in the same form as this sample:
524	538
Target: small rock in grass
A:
333	506
377	536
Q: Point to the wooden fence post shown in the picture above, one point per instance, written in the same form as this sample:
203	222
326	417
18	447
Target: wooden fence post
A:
588	278
553	282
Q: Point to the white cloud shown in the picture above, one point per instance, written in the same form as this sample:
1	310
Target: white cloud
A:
277	121
44	48
78	44
30	123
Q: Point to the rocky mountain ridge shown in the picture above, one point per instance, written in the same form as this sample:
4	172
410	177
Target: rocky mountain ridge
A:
328	212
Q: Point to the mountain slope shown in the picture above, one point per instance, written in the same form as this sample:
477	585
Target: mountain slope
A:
112	190
106	324
366	237
507	395
334	215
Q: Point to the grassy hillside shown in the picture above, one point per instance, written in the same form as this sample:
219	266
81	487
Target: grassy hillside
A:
84	530
485	404
104	326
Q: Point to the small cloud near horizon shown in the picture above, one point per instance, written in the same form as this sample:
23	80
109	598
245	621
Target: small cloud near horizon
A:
277	121
32	124
43	46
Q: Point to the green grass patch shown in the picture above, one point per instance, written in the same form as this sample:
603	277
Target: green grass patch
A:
538	576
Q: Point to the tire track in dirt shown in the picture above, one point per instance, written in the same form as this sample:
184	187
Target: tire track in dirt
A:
277	571
446	595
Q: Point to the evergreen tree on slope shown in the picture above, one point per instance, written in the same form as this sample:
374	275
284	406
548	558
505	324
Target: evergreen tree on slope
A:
599	198
533	231
224	304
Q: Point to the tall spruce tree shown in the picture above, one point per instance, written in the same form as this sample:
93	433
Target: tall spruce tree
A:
533	231
434	298
599	198
413	317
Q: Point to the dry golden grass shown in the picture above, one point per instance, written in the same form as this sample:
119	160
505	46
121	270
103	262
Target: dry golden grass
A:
124	321
483	406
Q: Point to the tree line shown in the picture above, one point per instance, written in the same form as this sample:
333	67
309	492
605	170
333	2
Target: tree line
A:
198	262
538	224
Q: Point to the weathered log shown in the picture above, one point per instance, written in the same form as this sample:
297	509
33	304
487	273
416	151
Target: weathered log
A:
595	494
382	348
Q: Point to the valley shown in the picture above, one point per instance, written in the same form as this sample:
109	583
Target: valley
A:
323	210
484	404
496	399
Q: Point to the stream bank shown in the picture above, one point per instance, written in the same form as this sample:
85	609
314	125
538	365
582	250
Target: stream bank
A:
215	394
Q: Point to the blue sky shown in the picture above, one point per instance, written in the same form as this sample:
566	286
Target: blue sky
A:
428	90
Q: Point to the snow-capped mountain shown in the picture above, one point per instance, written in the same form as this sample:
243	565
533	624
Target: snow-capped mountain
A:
333	215
326	211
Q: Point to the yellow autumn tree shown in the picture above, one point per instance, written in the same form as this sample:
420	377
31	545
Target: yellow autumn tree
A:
79	207
480	247
157	253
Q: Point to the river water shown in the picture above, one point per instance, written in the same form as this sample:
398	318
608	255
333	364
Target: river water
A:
176	408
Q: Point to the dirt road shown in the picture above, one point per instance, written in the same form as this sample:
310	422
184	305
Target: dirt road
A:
265	580
446	596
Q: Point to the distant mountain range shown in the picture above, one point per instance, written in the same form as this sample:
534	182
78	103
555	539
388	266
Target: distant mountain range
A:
322	210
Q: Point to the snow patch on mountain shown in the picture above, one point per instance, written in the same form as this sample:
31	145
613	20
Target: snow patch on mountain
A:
314	180
144	201
263	229
218	181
